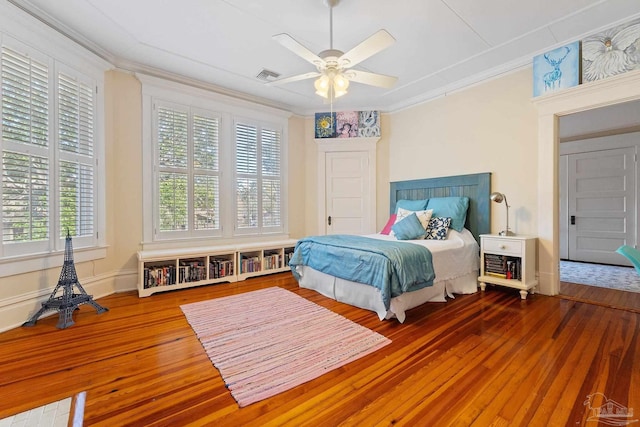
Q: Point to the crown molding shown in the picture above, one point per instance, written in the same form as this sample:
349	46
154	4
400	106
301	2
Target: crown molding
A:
48	20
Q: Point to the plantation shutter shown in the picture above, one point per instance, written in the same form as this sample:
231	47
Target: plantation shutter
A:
172	147
271	178
247	176
25	157
76	111
206	184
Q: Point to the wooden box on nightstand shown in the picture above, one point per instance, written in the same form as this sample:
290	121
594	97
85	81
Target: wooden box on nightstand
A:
508	261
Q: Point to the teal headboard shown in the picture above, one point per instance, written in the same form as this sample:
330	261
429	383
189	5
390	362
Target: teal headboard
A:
477	187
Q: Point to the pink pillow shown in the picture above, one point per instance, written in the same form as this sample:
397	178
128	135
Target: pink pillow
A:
387	228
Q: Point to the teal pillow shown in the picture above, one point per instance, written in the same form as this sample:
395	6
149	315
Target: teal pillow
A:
450	207
412	205
409	228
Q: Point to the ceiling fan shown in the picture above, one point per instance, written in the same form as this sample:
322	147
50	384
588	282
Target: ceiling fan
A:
334	67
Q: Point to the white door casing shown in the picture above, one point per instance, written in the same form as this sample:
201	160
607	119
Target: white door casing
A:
617	89
347	186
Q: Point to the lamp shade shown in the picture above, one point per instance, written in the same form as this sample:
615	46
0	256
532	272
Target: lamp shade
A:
340	85
497	197
322	86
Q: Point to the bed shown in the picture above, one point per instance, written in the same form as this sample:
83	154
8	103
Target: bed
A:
455	260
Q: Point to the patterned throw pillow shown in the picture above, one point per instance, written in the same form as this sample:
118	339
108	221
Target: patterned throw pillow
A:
438	228
423	216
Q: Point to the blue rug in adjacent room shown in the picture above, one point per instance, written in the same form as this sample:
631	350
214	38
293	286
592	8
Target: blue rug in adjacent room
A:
603	276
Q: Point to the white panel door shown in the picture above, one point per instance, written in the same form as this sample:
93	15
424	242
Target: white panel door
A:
347	193
602	204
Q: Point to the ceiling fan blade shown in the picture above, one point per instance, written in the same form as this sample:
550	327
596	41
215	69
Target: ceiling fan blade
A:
290	43
369	47
294	78
379	80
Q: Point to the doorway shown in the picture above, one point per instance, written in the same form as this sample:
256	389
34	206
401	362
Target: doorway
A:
599	212
347	186
624	88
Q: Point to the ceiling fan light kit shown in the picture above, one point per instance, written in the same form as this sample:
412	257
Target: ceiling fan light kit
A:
334	71
331	85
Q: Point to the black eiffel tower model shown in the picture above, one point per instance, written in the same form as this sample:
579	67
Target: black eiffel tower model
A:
69	301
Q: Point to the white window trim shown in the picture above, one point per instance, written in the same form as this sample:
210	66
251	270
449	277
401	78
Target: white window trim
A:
154	88
18	27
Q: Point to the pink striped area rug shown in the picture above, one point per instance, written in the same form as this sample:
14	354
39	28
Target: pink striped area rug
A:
270	340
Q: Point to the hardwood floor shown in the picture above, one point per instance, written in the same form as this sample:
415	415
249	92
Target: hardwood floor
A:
613	298
484	359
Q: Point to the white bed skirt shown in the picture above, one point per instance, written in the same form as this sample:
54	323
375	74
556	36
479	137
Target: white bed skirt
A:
368	297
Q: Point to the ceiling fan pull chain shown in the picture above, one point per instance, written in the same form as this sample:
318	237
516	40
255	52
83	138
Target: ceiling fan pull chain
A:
330	26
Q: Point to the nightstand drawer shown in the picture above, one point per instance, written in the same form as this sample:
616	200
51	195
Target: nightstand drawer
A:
502	246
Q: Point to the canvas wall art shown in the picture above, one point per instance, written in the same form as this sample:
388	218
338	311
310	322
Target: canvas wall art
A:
368	124
611	52
346	124
556	69
325	125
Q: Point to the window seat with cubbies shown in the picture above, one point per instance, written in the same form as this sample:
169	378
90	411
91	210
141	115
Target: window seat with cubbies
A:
171	269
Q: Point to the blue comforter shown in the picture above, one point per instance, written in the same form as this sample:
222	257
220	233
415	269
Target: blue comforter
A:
392	267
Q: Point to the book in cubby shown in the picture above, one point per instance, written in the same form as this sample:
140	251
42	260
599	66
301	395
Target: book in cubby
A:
506	267
191	270
272	259
249	262
221	266
288	254
159	273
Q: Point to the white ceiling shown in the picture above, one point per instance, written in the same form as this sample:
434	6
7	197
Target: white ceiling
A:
441	45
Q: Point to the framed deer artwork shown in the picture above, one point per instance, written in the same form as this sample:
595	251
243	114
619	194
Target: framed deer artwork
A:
556	69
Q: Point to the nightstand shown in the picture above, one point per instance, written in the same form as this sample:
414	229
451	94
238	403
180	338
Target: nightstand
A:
508	261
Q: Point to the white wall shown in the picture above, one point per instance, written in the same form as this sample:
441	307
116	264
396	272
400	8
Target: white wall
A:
491	127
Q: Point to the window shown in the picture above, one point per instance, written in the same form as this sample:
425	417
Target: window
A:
49	157
258	179
213	169
188	189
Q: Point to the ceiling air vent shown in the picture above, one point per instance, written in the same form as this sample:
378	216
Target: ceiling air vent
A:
267	75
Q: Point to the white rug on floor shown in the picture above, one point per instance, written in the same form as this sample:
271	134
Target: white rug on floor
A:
603	276
54	414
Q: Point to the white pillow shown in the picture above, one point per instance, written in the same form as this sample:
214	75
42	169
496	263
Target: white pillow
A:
423	216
